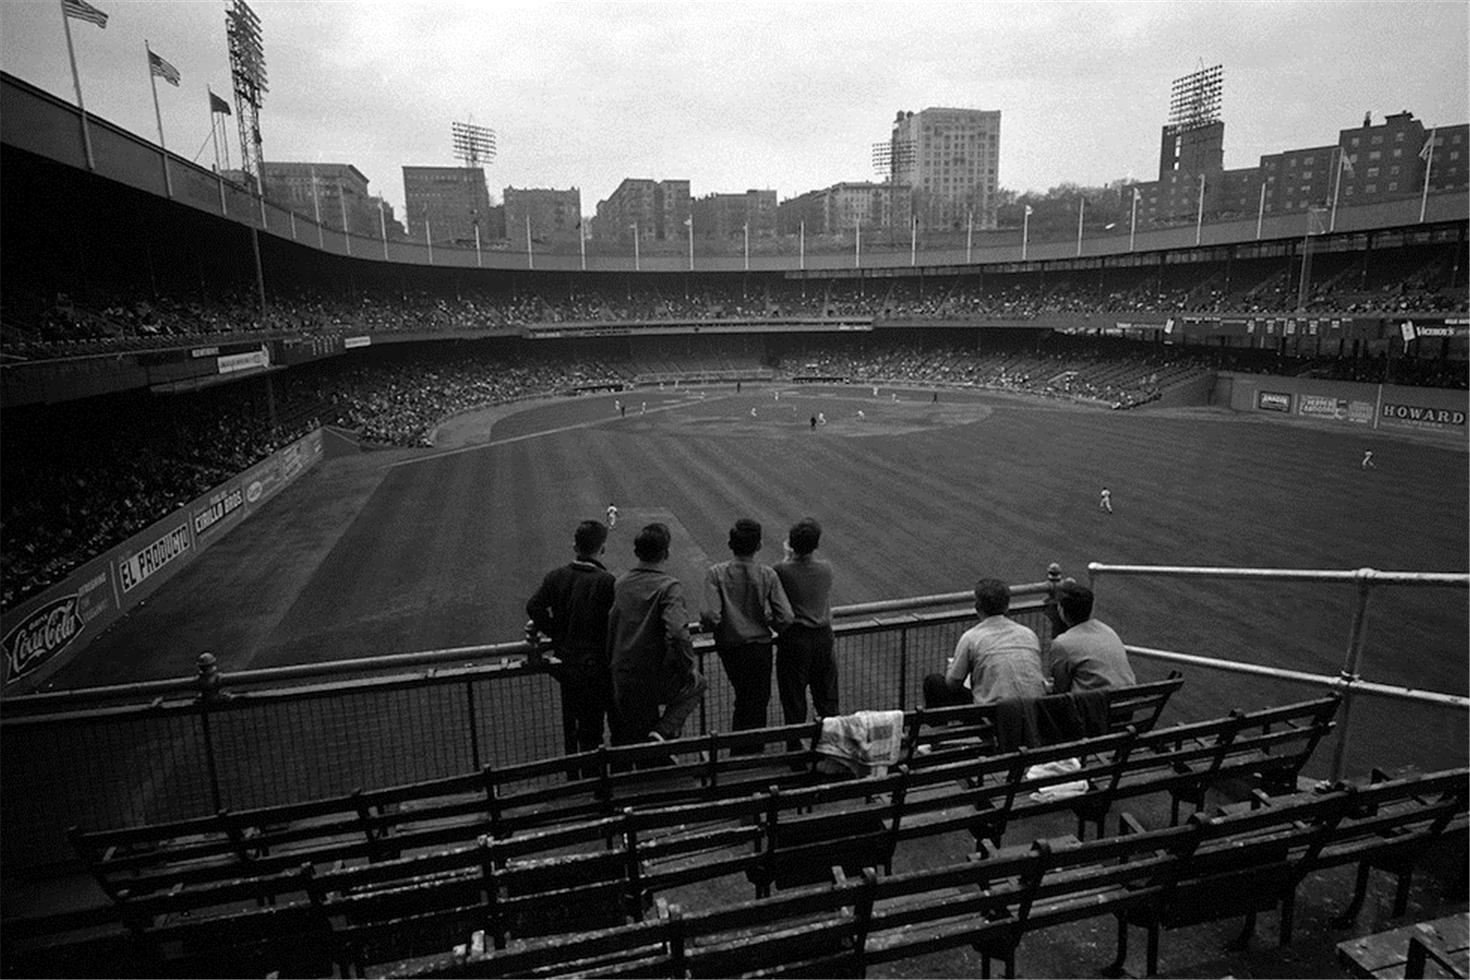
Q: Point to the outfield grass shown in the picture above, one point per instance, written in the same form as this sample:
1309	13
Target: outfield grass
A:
409	550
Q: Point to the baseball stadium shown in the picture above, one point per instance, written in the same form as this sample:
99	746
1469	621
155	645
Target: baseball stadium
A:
275	497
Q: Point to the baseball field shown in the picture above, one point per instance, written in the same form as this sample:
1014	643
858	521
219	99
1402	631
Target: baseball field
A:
399	550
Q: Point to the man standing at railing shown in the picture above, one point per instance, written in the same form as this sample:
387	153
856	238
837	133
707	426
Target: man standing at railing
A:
804	651
1089	654
571	608
1000	657
743	604
649	648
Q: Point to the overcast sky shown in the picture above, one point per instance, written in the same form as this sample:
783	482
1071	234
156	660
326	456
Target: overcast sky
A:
736	95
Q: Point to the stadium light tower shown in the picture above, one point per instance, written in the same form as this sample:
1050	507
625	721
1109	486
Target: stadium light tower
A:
247	72
474	146
892	159
1194	99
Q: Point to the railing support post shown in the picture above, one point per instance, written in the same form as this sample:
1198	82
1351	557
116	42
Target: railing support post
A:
1357	635
208	681
469	700
1053	579
903	667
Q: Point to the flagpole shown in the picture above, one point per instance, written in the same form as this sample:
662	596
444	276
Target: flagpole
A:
1025	230
857	245
1261	211
168	184
969	236
1199	221
637	262
429	239
1336	189
690	225
747	246
383	228
914	241
1428	166
582	241
76	81
530	255
1081	206
342	200
1133	221
214	137
316	204
477	245
801	246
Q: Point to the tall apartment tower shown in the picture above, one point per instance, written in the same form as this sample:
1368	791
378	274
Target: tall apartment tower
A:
448	202
949	159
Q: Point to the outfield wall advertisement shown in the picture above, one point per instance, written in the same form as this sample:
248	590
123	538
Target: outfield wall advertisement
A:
1386	408
49	630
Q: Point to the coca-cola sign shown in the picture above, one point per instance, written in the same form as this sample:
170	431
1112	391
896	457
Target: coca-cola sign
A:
44	634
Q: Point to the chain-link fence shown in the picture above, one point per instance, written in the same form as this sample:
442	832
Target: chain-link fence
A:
114	767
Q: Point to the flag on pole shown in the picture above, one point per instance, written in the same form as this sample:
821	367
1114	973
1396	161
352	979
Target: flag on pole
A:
217	104
1428	146
82	10
163	69
1137	196
1347	164
1029	211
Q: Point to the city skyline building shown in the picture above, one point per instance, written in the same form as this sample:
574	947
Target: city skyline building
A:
446	204
554	215
949	161
334	188
658	209
728	215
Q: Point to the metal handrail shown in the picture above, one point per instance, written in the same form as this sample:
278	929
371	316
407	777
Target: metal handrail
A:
211	678
1323	680
1349	680
1373	575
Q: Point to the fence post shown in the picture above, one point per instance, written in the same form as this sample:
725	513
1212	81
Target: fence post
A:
1357	635
208	681
1053	579
903	667
469	698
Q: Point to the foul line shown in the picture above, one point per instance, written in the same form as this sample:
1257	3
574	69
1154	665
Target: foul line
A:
545	432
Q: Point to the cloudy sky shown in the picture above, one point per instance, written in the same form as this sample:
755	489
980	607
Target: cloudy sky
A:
734	95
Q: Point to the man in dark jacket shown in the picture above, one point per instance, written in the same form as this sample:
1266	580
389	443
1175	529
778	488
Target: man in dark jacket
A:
571	608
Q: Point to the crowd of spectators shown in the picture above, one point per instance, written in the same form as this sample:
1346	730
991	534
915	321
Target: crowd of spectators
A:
78	480
1416	282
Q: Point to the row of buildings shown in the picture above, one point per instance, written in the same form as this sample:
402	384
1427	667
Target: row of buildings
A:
1376	161
939	171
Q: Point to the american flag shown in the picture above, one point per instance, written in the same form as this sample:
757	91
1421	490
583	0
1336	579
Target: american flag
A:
82	10
1428	146
163	69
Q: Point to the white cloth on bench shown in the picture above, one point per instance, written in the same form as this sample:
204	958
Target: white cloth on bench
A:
863	744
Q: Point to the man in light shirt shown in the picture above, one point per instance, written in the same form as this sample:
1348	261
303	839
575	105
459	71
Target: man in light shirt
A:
998	656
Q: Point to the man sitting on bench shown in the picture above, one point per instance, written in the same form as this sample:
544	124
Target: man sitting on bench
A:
1000	657
1088	655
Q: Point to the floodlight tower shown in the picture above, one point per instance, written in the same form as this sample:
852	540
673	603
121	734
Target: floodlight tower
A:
473	146
247	71
892	159
1194	137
